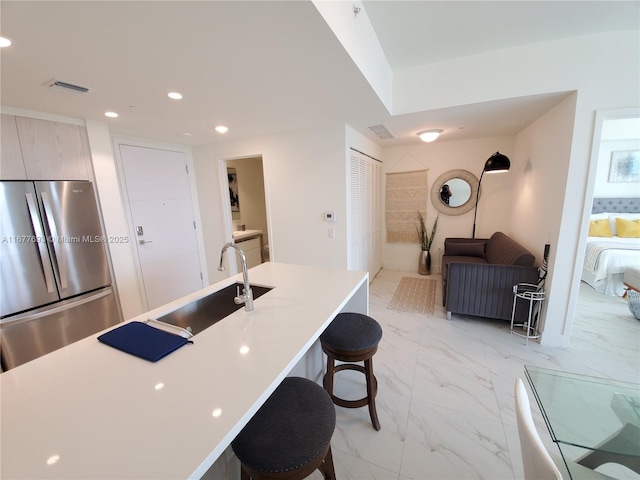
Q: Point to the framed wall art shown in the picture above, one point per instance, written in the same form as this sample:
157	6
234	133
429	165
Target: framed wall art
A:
625	166
233	190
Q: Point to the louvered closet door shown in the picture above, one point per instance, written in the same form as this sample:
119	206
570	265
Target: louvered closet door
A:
365	223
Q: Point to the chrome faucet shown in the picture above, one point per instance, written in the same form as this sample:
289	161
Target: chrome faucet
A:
247	294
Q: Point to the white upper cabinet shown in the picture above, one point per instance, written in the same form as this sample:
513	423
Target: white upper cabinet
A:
11	164
52	150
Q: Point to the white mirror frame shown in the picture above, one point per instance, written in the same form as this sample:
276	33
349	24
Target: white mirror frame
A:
465	175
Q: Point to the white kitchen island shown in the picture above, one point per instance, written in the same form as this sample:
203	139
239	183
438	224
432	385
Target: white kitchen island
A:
89	411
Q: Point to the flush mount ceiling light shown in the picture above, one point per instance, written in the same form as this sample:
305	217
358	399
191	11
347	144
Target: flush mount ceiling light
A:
175	95
4	42
222	129
429	136
111	114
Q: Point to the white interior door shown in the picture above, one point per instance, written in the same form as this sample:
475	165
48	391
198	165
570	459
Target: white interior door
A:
160	202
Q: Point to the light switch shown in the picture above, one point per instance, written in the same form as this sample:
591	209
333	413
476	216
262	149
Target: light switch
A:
332	233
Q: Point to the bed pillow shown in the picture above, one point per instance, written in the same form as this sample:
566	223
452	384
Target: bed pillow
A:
614	216
628	228
599	228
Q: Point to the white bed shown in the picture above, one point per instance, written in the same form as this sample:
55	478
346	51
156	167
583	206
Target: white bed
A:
607	258
605	261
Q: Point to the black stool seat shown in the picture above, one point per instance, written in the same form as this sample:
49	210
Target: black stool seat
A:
289	436
352	331
352	337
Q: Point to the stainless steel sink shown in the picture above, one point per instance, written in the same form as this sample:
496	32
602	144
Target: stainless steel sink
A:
201	314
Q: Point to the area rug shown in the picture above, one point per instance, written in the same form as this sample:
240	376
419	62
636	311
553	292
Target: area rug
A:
414	295
405	194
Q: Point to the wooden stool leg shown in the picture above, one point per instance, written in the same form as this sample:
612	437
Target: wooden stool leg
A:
243	474
327	382
372	390
327	469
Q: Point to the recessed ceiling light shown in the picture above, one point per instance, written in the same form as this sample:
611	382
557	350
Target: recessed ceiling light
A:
175	95
222	129
4	42
111	114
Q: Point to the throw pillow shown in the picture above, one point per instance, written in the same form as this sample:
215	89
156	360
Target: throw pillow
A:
628	228
599	228
471	249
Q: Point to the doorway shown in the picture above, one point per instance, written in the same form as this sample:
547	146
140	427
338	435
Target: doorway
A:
248	222
613	130
159	197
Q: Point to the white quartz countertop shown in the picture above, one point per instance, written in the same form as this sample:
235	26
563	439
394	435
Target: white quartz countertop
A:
89	411
246	234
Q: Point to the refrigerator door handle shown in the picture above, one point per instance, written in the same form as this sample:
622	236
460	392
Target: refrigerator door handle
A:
58	308
41	242
55	240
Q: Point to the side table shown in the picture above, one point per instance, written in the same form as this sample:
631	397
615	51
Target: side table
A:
534	295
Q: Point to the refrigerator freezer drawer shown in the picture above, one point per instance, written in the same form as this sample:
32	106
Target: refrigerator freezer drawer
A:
27	337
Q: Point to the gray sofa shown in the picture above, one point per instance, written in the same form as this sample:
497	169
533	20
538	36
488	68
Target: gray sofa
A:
478	276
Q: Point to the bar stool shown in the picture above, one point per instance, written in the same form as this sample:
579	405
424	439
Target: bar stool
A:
534	294
352	337
289	437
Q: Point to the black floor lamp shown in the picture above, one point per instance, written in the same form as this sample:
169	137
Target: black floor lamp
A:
497	163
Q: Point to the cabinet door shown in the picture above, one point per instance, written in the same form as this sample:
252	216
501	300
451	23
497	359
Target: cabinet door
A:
252	251
12	166
52	150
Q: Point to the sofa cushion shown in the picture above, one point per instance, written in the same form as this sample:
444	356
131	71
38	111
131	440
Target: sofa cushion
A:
474	249
503	250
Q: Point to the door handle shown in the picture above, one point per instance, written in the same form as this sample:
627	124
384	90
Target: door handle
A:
42	248
143	242
57	248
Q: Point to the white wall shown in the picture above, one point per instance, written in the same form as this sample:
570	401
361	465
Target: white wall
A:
538	193
113	214
305	175
554	66
617	135
438	158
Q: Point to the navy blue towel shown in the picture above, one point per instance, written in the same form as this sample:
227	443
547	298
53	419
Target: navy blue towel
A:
143	340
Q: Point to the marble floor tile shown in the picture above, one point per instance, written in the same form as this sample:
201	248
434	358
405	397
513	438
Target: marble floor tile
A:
356	436
444	443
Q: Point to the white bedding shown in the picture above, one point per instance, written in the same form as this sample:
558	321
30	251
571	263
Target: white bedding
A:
605	261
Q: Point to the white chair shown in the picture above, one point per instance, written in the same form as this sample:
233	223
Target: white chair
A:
536	460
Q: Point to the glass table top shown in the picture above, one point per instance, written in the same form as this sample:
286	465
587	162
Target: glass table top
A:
584	411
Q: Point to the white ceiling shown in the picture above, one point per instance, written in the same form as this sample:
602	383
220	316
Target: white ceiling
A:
265	67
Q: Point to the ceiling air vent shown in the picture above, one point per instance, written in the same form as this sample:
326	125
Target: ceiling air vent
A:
381	131
67	87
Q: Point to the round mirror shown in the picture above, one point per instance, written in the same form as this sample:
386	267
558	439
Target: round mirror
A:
454	192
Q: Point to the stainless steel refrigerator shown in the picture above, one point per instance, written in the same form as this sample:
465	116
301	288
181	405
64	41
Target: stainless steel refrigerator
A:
55	282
